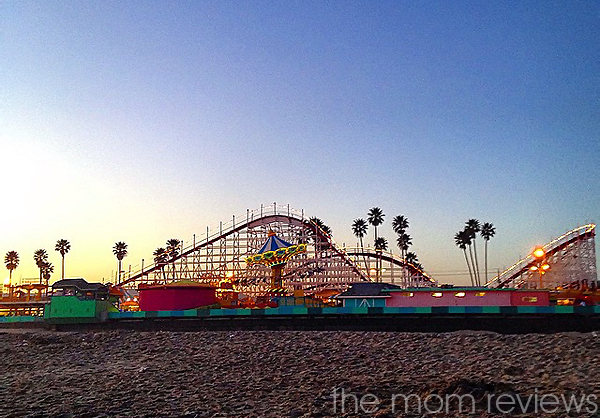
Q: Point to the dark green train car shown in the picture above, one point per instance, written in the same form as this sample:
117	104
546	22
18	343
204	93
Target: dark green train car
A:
77	301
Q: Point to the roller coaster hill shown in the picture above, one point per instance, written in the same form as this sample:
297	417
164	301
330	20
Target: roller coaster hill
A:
275	267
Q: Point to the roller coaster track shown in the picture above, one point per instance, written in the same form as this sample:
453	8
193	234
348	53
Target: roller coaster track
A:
407	274
219	255
571	257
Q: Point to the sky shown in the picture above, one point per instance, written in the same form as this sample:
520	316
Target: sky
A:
141	121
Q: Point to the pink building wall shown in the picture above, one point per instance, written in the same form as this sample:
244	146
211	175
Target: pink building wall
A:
421	298
175	298
530	298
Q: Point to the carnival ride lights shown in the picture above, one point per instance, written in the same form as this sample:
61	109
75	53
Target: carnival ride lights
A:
541	266
275	253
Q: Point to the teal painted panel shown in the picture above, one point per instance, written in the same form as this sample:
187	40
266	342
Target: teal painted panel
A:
563	309
278	311
165	314
526	309
17	319
331	310
230	312
300	310
361	310
458	310
244	311
345	310
545	309
283	310
365	302
400	310
379	303
215	312
597	309
190	312
491	309
423	310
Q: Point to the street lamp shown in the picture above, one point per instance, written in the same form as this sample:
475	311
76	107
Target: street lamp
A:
541	266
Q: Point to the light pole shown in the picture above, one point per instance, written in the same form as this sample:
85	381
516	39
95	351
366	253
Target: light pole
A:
541	266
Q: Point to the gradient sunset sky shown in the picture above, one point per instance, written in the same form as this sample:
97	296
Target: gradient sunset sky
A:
142	121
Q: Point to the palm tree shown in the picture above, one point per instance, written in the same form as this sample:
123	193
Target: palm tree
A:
62	246
11	259
461	239
41	258
400	224
375	218
487	232
381	244
173	248
319	225
48	269
473	227
411	258
359	229
160	258
404	241
120	251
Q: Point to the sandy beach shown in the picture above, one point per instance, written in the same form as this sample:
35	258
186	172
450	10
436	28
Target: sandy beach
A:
296	374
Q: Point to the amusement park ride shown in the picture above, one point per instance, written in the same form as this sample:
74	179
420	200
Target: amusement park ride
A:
230	254
278	249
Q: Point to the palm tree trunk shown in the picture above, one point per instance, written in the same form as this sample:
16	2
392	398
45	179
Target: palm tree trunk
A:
376	260
473	265
119	273
468	265
404	271
10	288
477	263
486	264
63	267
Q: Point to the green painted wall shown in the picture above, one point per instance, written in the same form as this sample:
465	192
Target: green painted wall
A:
71	307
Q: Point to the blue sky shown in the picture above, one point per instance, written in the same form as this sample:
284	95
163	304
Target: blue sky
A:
140	121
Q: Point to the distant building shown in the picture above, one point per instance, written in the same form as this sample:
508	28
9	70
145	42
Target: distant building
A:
366	295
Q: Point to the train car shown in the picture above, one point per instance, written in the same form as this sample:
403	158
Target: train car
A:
77	301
